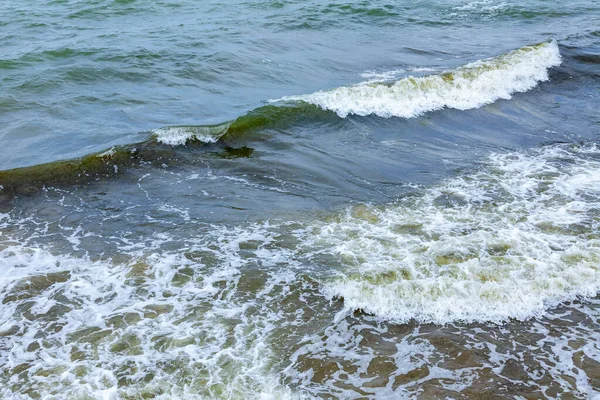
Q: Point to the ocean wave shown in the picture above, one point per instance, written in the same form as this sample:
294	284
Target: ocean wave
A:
507	242
471	86
116	326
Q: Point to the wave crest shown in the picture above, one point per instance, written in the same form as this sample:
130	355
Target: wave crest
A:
470	86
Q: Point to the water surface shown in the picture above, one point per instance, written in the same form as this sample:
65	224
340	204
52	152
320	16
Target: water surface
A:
298	199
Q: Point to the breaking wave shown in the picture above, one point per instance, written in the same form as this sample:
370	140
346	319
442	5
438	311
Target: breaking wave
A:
471	86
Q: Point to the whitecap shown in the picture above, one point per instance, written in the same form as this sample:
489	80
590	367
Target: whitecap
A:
471	86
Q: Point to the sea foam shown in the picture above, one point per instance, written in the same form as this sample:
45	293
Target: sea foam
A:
507	242
103	322
471	86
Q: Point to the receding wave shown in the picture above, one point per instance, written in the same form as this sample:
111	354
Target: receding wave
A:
471	86
507	242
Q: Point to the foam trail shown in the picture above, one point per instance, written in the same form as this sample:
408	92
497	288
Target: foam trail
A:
467	87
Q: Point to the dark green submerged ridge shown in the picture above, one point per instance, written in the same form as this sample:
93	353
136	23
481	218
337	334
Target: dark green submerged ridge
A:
175	145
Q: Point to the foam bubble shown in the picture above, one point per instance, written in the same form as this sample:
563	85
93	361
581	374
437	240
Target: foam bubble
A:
470	86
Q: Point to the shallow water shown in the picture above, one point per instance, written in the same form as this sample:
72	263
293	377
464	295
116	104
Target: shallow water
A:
296	199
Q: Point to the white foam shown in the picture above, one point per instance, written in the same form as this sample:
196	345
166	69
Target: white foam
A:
180	135
471	86
509	241
184	340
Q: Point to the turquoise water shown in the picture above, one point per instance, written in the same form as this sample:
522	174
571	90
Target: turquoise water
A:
298	199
